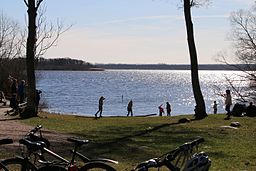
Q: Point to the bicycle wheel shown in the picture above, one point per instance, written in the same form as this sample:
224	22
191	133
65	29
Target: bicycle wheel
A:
52	168
18	164
96	166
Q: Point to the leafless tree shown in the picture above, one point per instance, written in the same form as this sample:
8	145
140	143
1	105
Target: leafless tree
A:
40	38
200	110
243	35
11	39
48	33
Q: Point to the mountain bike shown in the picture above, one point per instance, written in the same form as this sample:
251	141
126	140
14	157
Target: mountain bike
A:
39	147
62	164
90	162
2	142
182	158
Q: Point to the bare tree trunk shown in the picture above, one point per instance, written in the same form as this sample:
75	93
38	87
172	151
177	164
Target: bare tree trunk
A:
30	59
200	111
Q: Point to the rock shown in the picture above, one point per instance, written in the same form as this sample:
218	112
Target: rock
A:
184	120
235	124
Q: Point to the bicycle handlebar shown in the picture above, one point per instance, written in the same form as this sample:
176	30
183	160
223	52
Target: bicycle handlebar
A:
197	141
35	130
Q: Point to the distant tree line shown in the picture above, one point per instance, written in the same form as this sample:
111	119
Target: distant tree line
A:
64	64
237	67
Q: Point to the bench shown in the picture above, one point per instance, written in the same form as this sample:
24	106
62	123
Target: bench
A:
21	108
2	98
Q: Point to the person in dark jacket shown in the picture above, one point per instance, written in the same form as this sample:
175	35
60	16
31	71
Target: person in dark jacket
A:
21	91
168	109
129	108
100	106
38	92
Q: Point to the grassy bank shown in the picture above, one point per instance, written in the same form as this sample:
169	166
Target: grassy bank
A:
134	139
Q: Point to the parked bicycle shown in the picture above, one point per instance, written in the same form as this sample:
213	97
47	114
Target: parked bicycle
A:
186	157
182	158
38	148
2	142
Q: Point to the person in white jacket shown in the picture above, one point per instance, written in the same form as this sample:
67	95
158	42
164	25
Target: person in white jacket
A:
228	103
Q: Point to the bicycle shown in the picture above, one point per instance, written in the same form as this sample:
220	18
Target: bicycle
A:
38	148
78	143
2	142
182	158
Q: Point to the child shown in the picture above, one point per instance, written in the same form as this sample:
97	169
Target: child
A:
161	110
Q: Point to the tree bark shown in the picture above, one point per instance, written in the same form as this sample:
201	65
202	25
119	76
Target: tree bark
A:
31	109
200	111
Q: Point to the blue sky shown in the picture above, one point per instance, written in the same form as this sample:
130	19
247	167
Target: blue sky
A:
134	31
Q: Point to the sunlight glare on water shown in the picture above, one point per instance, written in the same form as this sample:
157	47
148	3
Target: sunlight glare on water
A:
77	92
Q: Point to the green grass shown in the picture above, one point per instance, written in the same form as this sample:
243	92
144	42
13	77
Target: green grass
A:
131	140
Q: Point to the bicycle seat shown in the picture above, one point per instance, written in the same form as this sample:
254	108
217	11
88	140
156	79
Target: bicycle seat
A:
78	141
34	146
6	141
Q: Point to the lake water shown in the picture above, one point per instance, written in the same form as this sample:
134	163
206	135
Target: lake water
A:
77	92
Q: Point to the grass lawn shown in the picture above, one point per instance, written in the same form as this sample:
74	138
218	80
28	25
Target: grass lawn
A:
131	140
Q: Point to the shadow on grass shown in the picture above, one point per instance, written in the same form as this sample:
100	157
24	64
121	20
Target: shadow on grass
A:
137	145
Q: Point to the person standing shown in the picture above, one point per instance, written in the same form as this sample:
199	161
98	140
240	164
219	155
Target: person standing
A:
129	108
100	106
215	108
161	110
21	91
14	86
228	103
38	92
168	109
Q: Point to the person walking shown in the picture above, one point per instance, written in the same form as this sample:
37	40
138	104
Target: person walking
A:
228	103
100	106
168	109
129	108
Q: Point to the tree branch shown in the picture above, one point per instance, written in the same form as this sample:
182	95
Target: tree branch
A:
38	3
26	3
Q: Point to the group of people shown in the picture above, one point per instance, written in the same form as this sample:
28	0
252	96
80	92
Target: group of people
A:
249	110
168	109
18	94
228	104
130	108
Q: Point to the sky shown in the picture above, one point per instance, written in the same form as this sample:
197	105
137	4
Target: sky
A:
134	31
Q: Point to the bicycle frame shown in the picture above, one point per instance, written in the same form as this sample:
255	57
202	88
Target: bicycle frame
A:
167	159
86	159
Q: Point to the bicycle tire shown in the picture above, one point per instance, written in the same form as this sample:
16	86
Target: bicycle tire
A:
52	168
99	166
18	164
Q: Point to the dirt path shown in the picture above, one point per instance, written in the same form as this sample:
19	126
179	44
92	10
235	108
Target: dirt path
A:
11	127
